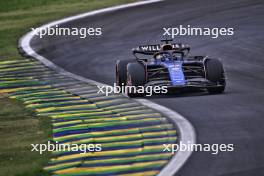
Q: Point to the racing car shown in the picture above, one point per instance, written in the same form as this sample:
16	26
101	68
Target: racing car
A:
169	64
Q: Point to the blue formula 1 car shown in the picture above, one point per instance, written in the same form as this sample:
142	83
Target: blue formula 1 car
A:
169	65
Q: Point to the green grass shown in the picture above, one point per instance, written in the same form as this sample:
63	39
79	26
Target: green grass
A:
19	127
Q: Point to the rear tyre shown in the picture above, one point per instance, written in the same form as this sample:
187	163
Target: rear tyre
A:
135	78
215	73
121	71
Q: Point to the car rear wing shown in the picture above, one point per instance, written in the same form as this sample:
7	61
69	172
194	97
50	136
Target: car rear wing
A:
151	49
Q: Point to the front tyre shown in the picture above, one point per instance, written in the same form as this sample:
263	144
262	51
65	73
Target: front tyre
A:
121	71
215	73
135	78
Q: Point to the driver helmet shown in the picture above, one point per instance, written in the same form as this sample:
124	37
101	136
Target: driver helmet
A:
166	47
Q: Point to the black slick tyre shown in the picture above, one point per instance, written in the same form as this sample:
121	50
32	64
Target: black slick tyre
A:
215	73
121	71
135	78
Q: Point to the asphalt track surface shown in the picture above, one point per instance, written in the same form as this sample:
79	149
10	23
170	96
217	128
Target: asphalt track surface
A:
235	117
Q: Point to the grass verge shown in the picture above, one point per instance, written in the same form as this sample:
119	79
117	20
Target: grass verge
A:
18	129
18	126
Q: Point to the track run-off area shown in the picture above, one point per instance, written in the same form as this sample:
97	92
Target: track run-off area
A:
235	117
132	133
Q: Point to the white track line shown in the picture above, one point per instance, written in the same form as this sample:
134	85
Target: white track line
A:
187	132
